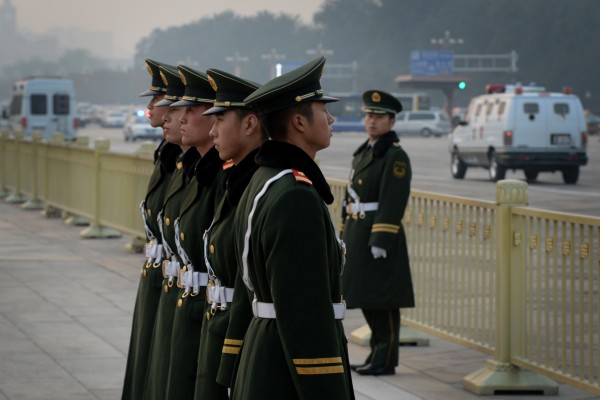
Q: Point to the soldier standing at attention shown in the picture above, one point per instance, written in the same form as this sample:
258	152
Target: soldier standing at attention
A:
237	136
198	204
149	287
158	363
377	274
288	254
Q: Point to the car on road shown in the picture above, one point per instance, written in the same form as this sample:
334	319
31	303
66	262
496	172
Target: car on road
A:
138	127
424	123
593	124
113	119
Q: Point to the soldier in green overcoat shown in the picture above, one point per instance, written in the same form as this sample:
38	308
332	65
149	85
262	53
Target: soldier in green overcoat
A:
158	363
196	212
149	288
288	254
237	135
377	275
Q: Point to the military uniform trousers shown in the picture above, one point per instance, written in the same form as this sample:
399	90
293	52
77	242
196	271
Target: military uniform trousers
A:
209	357
158	363
385	332
144	316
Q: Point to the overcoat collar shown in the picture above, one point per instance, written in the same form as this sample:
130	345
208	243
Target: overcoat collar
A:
278	154
364	155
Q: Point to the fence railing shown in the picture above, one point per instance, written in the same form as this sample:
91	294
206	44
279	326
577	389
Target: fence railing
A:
518	283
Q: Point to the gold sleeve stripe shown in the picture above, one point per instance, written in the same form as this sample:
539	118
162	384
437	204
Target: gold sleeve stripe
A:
308	361
390	226
320	370
233	342
387	230
231	350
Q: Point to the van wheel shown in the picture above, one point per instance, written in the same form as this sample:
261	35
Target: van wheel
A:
425	132
570	175
531	175
457	167
496	171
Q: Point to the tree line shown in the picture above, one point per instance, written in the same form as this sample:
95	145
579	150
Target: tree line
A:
556	41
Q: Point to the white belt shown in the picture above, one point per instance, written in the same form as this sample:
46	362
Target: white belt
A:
170	269
358	208
267	310
192	281
153	250
218	295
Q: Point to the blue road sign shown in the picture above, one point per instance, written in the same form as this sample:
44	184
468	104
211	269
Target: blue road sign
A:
431	62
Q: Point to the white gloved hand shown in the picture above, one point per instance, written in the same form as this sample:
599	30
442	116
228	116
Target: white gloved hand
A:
378	252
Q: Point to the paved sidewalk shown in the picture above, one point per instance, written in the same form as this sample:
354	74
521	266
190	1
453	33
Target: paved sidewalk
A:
65	315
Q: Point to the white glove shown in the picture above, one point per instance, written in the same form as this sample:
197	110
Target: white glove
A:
378	252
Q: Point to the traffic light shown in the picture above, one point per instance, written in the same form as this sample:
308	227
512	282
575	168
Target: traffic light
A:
462	85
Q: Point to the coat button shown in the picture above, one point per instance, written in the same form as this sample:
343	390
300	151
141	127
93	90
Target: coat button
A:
181	236
166	288
212	249
167	221
149	212
179	303
360	181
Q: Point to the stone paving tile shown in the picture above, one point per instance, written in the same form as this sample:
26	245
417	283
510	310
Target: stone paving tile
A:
97	373
109	394
35	376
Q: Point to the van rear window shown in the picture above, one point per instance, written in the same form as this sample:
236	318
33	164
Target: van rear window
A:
561	109
39	104
60	104
531	108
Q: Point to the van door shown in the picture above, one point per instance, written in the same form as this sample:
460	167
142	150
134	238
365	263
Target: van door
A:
38	104
60	120
531	122
563	124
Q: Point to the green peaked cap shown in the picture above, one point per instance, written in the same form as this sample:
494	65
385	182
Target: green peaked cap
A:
231	90
297	86
175	86
197	88
379	102
157	86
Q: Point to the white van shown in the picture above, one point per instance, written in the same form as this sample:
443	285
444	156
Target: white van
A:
43	104
521	127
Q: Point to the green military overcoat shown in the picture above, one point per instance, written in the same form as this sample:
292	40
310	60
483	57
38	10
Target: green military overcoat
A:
294	261
380	175
218	352
149	288
158	363
196	213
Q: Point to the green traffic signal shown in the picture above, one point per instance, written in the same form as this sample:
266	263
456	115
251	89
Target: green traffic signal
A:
462	85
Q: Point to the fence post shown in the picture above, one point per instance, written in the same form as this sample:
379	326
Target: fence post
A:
68	218
17	196
499	375
3	139
95	230
34	203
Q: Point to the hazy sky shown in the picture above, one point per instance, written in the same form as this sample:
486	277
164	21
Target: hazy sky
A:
130	20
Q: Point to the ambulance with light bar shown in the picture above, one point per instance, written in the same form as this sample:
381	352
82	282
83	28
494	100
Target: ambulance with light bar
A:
521	127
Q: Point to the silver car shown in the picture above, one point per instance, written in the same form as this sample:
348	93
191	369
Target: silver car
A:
424	123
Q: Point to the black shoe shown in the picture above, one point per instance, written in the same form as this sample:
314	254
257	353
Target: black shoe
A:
354	367
375	371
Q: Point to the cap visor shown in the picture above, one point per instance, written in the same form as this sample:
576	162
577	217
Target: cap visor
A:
148	93
216	110
183	103
164	103
327	99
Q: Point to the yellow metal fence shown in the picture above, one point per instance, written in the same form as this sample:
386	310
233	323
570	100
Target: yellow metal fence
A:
518	283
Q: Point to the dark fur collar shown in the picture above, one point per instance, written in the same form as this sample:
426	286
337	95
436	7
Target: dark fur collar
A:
381	145
239	177
284	155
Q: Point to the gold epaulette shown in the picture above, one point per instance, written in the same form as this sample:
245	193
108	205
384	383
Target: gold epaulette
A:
300	177
227	164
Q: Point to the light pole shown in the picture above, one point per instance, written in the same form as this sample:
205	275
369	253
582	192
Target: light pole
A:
319	51
272	58
446	41
237	60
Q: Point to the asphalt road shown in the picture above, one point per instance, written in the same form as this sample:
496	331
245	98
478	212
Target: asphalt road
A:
431	171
